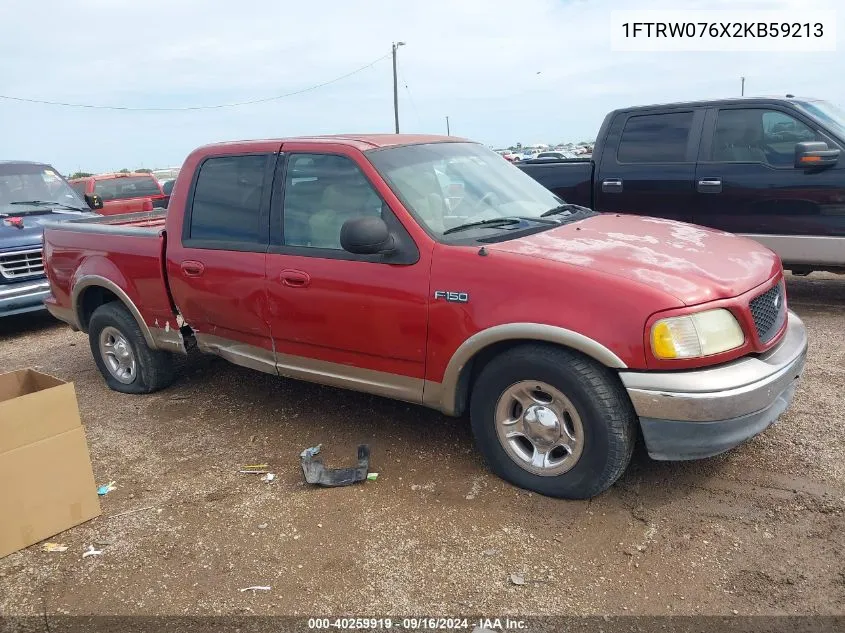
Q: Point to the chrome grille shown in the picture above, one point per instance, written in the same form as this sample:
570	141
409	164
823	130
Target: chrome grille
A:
769	312
20	264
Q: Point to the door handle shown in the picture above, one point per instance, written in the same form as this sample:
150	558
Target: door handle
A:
611	185
295	278
710	185
192	268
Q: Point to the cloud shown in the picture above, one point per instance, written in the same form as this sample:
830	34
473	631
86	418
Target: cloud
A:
504	71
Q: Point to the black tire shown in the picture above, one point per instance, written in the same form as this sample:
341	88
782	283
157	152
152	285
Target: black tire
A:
607	416
154	368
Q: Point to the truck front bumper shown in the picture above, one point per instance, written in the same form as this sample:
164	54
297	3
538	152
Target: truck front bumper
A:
23	296
704	412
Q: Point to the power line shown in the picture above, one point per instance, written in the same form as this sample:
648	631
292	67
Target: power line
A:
411	99
206	107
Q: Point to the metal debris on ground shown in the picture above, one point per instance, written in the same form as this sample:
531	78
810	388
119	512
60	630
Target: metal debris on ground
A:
255	588
92	551
54	547
106	488
254	469
316	473
517	579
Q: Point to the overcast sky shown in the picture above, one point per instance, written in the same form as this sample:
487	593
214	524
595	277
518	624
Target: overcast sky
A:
503	70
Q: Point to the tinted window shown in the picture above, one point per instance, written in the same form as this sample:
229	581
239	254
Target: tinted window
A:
79	187
227	200
322	191
655	138
124	187
758	135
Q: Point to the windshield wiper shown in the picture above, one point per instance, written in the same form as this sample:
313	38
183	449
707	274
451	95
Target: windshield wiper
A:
492	223
565	208
47	203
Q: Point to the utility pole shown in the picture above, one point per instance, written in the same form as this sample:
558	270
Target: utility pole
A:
742	94
395	88
448	133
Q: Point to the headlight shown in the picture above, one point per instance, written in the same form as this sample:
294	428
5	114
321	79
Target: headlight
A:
695	335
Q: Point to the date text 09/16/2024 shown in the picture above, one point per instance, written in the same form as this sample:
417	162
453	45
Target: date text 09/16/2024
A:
417	624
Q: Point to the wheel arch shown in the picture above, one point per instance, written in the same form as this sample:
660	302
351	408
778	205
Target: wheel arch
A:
92	291
451	396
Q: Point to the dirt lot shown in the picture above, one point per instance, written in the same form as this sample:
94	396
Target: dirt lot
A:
759	530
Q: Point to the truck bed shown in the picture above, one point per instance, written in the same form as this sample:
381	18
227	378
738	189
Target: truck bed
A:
147	222
124	252
570	179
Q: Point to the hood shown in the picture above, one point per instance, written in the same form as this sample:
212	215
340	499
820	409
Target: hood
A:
692	263
33	227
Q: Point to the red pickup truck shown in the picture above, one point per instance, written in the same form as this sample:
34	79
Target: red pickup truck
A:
562	332
123	192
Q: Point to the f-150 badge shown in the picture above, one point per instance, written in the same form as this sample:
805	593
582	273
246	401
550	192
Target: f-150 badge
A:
449	295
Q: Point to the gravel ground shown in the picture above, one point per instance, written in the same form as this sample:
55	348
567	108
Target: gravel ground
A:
755	531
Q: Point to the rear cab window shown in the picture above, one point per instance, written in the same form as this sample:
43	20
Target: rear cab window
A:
655	138
126	187
228	210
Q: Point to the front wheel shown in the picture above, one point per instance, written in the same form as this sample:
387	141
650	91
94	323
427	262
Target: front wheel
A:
552	420
122	355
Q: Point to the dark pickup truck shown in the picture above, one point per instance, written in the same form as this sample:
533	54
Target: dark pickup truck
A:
31	194
766	168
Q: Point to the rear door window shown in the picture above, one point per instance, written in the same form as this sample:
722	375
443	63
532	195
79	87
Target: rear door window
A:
227	203
655	138
125	187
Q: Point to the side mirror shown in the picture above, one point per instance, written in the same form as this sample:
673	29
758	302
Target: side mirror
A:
815	154
366	235
94	202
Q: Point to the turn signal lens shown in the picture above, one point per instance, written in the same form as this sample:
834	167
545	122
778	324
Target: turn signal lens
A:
696	335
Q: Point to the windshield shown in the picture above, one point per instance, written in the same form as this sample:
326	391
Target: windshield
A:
827	113
27	183
446	185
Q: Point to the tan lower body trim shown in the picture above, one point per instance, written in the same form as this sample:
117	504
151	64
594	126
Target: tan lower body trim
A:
804	250
63	314
394	386
168	339
238	353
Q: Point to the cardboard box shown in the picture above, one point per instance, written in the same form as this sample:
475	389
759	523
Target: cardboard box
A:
46	483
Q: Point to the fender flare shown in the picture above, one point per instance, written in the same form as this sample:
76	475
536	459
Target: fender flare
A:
87	281
444	395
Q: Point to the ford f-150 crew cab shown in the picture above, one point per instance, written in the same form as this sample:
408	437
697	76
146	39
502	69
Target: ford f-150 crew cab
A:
338	260
767	168
30	195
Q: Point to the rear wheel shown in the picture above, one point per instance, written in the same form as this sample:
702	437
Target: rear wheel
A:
122	355
551	420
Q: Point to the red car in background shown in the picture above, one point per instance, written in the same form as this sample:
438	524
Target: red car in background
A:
123	192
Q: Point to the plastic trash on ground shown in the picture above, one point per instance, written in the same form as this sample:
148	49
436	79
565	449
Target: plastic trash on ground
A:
54	547
106	488
316	473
